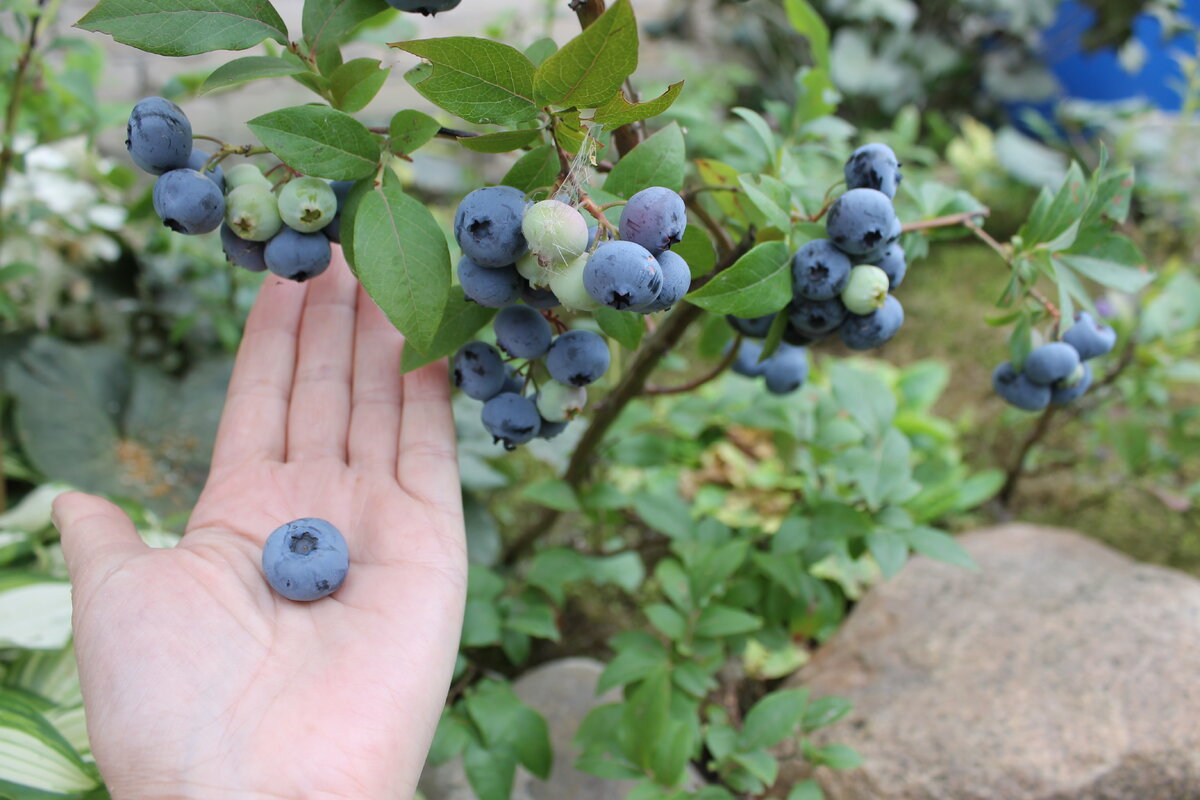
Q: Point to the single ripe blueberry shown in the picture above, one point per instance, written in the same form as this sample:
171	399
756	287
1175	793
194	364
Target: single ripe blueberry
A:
341	190
753	328
242	252
551	429
522	332
158	136
816	317
864	332
1051	362
541	299
187	202
1089	338
1017	390
655	218
796	338
578	358
862	221
198	159
511	419
297	256
874	166
306	559
426	7
489	287
893	264
677	279
487	226
479	370
747	361
1071	389
622	275
819	270
786	370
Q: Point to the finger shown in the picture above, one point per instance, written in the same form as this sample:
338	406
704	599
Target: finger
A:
375	396
254	422
320	412
96	535
428	464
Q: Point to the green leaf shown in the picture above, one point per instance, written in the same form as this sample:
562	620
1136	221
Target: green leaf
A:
632	665
1109	273
355	83
482	81
481	624
866	397
246	69
760	764
806	790
773	718
409	130
808	23
645	716
939	546
186	27
327	23
402	260
502	141
837	756
696	249
36	761
672	752
552	493
490	771
758	283
658	161
540	50
319	141
762	131
452	737
532	615
590	68
669	621
719	621
537	169
825	711
619	111
890	551
627	328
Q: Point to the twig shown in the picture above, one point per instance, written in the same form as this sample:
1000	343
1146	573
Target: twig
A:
1013	476
13	111
696	383
725	243
965	218
1045	303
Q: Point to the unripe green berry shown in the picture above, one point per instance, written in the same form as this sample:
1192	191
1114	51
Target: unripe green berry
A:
307	204
252	212
557	233
559	403
244	174
537	275
866	290
568	287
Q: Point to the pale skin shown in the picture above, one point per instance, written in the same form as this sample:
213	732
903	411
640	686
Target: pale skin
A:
198	680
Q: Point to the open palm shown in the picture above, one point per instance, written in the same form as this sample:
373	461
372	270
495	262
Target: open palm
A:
198	680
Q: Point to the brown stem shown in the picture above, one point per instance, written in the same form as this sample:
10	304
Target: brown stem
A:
725	243
14	100
691	385
1046	303
966	218
630	386
1013	475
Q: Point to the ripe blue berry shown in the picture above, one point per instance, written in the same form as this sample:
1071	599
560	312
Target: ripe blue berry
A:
158	136
819	270
541	299
622	275
864	332
1071	389
198	159
487	225
1017	390
426	7
862	220
511	419
747	361
246	254
874	166
187	202
1089	338
786	370
894	265
816	318
655	218
489	287
754	328
522	332
306	559
1051	362
551	429
578	358
479	370
677	279
297	256
341	190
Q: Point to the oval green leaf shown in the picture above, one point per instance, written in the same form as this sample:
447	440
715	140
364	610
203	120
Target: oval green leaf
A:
482	81
249	68
590	68
758	283
658	161
319	141
186	27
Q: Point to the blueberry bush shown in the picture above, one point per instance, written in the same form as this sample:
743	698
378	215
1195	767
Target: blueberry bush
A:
678	346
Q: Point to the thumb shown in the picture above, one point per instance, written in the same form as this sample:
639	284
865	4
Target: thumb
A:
95	533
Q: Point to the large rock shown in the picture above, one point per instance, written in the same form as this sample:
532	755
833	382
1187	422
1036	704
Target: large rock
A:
563	692
1061	671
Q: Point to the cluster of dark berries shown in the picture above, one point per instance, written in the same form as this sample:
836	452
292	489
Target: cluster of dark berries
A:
517	404
287	231
1057	372
784	371
426	7
843	283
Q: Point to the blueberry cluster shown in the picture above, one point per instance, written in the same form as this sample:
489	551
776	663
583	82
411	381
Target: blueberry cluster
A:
843	283
286	231
1057	372
519	405
784	371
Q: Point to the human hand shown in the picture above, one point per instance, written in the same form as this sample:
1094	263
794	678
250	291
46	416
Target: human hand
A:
198	680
